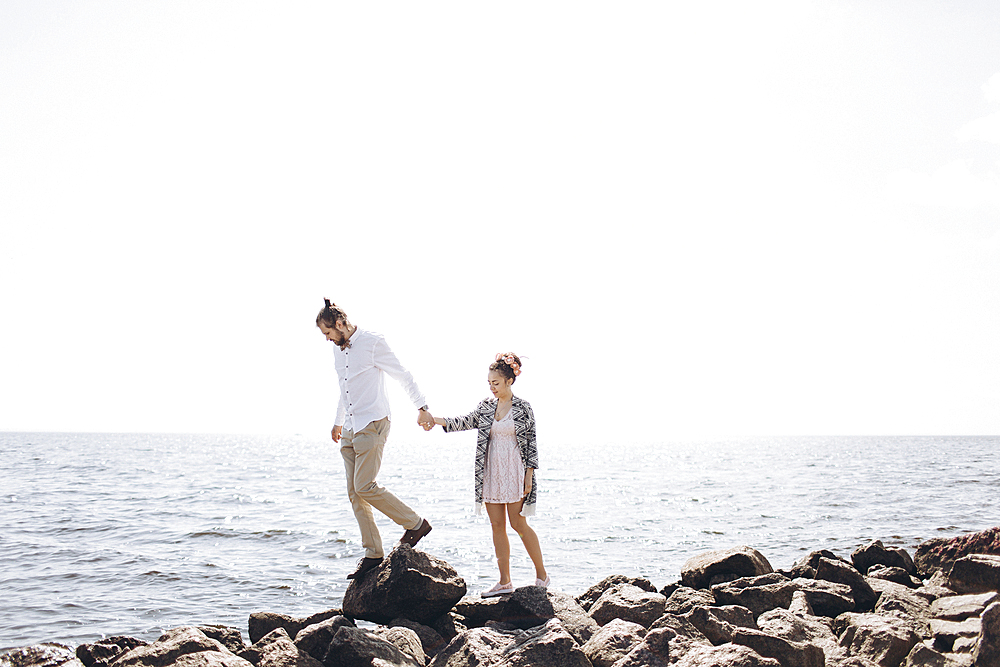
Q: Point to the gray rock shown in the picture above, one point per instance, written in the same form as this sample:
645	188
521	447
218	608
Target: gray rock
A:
712	567
925	656
903	600
976	573
597	590
613	642
448	625
315	639
896	575
961	607
629	603
825	597
815	630
841	573
546	645
409	584
683	599
262	623
939	553
478	647
680	625
718	623
758	594
355	647
39	655
187	645
653	651
727	655
227	636
530	606
430	639
884	640
946	633
875	553
787	652
104	651
276	649
987	650
405	639
800	604
478	611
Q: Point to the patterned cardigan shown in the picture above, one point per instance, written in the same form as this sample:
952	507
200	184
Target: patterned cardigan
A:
524	430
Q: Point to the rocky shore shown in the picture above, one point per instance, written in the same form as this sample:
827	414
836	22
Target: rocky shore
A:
729	608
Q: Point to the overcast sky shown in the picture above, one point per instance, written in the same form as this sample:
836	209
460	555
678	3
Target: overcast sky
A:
691	218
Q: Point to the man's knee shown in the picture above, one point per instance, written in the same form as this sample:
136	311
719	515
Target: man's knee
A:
368	491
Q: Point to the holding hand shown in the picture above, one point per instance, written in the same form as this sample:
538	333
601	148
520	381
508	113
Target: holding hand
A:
527	482
425	419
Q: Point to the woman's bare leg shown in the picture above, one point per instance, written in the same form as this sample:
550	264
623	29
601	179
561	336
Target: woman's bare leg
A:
528	537
501	545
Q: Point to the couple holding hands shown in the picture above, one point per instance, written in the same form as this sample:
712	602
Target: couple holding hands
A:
506	452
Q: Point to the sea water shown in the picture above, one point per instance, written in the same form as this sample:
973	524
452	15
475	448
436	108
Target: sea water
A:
105	535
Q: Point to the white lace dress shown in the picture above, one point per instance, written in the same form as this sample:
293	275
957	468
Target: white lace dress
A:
503	481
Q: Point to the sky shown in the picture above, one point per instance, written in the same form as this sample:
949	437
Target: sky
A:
690	219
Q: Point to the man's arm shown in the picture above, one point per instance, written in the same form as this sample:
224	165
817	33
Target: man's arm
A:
387	361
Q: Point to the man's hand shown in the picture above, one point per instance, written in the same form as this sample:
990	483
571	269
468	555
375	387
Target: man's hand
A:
335	433
425	419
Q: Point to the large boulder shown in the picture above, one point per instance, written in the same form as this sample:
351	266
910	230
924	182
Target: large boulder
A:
826	598
261	624
597	590
405	639
718	623
430	639
976	573
104	651
629	603
896	575
787	652
409	584
841	573
758	594
987	650
958	607
806	629
653	651
39	655
875	553
547	645
939	552
477	611
726	655
356	647
903	600
613	642
947	633
530	606
187	646
884	640
316	638
481	647
276	649
925	656
683	599
714	567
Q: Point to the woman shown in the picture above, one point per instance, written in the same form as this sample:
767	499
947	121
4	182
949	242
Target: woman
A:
506	458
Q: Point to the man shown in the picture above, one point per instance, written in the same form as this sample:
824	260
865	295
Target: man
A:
362	426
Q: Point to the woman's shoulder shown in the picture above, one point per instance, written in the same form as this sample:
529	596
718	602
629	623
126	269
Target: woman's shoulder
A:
521	403
490	403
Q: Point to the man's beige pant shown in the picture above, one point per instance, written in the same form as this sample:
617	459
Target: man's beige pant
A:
362	452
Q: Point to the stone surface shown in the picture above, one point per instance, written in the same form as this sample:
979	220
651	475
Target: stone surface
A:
478	611
684	598
961	607
758	594
925	656
186	646
903	600
430	639
815	630
356	647
546	645
39	655
405	639
407	584
787	652
534	605
945	633
712	567
884	640
653	651
717	623
727	655
597	590
103	651
262	623
939	552
976	573
315	639
987	650
629	603
478	647
229	637
897	575
613	642
875	553
841	573
276	649
681	625
825	597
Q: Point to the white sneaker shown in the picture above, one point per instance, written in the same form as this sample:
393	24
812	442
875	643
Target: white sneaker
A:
499	589
544	583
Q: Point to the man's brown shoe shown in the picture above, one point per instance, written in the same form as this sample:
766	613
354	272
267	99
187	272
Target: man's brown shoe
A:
411	537
364	565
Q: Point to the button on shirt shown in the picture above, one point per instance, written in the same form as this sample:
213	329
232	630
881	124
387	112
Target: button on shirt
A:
362	368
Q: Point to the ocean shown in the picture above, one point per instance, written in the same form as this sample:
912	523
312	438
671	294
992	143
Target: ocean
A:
132	534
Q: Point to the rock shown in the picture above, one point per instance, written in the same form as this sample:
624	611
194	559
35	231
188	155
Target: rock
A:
408	584
680	625
814	630
629	603
957	607
788	653
903	600
896	575
315	639
684	599
534	605
841	573
727	655
478	611
227	636
875	553
884	640
448	626
800	604
987	650
406	640
613	642
39	655
946	633
717	623
186	645
713	567
355	647
546	645
479	647
653	651
597	590
262	623
924	656
103	651
758	594
825	597
976	573
430	639
938	553
276	649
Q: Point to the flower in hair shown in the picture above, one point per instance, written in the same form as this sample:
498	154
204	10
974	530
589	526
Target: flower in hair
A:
510	361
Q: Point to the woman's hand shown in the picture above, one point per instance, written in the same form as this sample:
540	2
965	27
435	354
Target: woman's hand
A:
527	482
